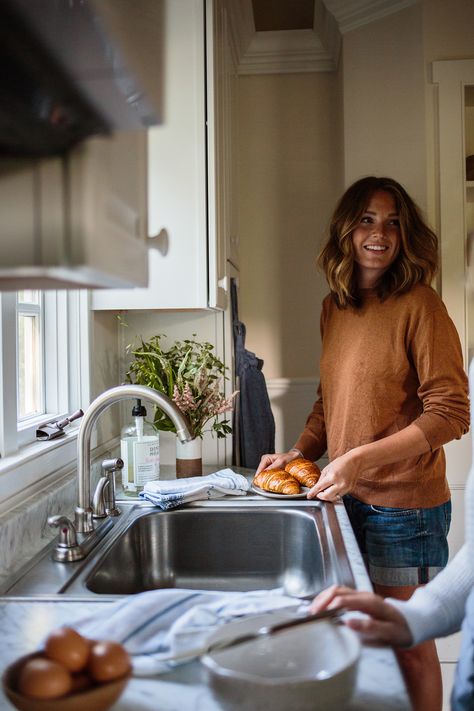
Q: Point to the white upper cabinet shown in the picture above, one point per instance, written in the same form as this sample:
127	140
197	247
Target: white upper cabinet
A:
189	166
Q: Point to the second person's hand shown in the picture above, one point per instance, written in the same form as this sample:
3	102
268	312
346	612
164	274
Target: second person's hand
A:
383	623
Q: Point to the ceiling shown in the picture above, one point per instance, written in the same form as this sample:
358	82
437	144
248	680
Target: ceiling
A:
281	36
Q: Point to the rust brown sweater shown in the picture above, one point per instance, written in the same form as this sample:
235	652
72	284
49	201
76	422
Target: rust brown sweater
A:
383	367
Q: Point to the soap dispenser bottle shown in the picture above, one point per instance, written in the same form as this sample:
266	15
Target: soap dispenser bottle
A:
140	451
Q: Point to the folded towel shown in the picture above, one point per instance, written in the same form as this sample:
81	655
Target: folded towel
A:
169	494
156	625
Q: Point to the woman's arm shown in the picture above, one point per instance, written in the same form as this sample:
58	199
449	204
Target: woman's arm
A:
384	624
340	476
434	610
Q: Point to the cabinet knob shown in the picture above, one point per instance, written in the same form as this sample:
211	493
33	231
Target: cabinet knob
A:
160	241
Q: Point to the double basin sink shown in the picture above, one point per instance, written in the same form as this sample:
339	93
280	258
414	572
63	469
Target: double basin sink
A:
232	547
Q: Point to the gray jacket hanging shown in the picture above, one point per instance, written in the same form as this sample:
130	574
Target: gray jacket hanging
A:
254	424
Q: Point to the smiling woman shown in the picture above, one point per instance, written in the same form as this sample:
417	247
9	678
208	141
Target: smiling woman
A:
392	392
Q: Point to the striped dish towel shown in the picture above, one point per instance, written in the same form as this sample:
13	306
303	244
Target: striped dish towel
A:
159	624
169	494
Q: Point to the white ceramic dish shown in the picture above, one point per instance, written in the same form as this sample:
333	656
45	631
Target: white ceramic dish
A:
271	495
312	667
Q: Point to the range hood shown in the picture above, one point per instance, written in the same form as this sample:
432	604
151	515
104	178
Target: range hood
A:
76	68
81	81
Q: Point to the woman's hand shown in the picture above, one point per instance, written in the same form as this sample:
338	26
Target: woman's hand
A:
337	478
384	624
277	461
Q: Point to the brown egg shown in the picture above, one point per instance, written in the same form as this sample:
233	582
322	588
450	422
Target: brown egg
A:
67	647
43	678
107	661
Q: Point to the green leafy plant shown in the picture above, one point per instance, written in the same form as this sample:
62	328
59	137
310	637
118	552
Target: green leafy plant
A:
191	375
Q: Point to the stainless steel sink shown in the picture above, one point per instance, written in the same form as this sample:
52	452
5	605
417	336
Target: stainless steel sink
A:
231	548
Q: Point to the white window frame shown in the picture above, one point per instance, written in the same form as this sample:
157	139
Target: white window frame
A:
27	426
25	461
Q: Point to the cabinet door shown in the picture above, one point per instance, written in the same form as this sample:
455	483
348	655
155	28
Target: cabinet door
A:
177	180
190	176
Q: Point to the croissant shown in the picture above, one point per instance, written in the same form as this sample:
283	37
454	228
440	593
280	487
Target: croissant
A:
278	481
304	471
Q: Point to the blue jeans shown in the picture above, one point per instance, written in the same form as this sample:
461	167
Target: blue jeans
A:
401	546
462	697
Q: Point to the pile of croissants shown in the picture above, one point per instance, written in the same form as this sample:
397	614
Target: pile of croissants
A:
299	472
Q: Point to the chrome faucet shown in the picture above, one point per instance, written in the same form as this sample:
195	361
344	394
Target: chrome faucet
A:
83	514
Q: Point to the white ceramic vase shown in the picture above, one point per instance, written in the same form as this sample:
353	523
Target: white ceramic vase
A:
188	458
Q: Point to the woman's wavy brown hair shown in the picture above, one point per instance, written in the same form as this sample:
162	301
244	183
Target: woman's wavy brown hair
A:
417	260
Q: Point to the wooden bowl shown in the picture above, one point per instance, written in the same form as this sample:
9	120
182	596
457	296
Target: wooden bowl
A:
95	698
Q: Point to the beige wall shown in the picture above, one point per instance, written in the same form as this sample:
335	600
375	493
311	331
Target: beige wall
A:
384	115
290	173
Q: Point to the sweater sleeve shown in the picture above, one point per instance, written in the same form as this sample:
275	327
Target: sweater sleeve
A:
437	609
435	349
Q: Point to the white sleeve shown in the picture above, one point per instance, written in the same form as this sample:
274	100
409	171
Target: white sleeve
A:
437	609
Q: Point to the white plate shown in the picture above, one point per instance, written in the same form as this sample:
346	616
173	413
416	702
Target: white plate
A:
272	495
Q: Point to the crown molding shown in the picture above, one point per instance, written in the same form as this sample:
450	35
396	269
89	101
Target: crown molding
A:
315	50
284	51
352	14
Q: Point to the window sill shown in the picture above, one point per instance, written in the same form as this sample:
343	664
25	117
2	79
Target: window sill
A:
28	468
37	465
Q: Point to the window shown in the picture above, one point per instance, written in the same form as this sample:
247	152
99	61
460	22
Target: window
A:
44	353
29	355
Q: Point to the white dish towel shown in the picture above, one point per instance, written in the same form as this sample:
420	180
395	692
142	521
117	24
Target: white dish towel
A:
169	494
156	625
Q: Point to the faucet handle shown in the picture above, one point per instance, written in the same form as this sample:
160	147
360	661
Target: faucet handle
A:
67	548
98	500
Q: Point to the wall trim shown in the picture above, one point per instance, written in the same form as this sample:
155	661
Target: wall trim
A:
291	400
291	383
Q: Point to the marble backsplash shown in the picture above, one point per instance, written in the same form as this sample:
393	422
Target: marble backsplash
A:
24	529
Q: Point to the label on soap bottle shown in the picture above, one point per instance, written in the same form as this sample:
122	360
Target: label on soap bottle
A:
126	454
146	460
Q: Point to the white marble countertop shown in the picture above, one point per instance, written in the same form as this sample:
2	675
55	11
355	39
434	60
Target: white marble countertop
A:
25	623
